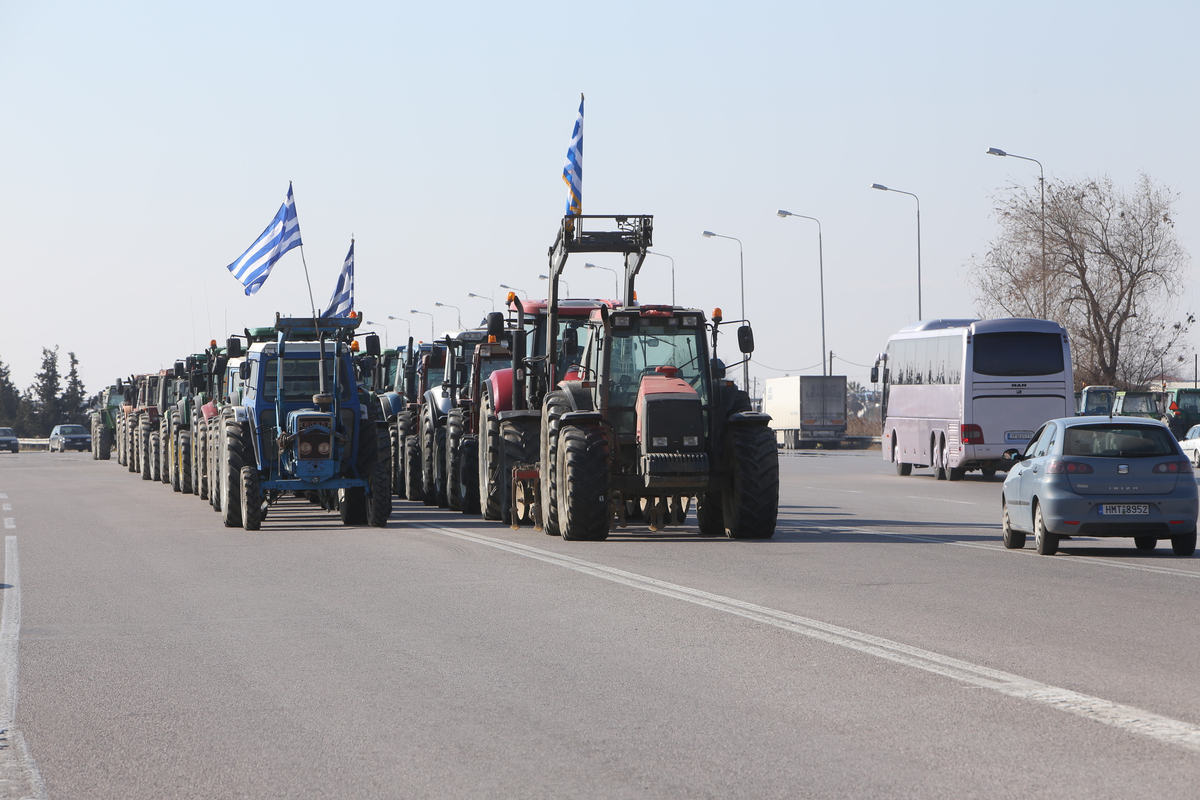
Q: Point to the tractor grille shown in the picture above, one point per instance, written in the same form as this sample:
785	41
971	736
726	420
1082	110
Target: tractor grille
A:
312	436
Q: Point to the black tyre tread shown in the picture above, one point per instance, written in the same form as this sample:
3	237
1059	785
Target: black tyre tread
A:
144	451
583	483
454	435
379	474
488	460
750	499
231	472
165	447
412	467
202	460
709	514
184	448
469	468
397	462
518	445
555	405
250	498
1183	545
428	446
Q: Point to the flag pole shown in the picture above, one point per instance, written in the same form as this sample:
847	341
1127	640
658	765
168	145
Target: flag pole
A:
311	302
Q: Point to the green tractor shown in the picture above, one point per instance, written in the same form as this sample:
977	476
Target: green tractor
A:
104	420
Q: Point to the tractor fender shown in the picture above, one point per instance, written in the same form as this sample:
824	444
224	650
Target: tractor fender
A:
392	403
209	410
500	387
579	396
439	404
238	413
749	418
582	418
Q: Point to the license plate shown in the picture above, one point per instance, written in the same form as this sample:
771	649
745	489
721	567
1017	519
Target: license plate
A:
1124	509
1018	436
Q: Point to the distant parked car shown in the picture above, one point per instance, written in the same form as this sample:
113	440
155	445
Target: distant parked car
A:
8	440
1190	445
1101	476
70	437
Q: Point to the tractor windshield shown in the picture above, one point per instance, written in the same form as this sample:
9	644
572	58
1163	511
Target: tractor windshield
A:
639	351
301	379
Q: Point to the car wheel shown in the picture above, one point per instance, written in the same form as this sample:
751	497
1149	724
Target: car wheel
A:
1013	539
1145	543
1196	457
1047	542
1184	545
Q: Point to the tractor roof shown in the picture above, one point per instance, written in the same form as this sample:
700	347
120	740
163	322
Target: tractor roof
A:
568	307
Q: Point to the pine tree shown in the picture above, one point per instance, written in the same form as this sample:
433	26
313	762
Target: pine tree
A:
46	405
71	404
10	397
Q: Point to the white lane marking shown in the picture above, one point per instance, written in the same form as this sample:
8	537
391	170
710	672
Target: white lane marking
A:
1066	558
941	500
19	774
6	507
10	523
833	489
1126	718
3	496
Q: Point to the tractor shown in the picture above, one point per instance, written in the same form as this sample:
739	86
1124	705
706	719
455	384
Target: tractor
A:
301	425
104	420
646	414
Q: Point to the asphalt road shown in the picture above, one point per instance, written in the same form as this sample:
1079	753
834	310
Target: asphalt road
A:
882	645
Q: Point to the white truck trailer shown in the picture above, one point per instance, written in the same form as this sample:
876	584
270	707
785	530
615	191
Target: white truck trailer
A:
807	410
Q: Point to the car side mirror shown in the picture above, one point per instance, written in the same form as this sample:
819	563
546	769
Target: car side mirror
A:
233	347
371	340
745	339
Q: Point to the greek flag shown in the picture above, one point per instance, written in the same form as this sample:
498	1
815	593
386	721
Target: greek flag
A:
342	302
253	266
573	171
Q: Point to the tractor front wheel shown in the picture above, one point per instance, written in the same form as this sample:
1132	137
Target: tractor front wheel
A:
251	499
231	474
750	498
582	484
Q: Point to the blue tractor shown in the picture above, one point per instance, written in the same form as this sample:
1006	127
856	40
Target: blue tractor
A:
304	425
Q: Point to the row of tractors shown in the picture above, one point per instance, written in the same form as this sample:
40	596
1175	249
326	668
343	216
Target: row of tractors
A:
574	416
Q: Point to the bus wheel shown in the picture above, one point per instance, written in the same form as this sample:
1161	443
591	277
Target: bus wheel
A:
901	468
939	461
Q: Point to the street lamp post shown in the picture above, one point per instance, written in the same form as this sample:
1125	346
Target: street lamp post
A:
821	276
616	277
386	346
742	279
566	286
478	296
432	334
458	310
996	151
520	292
883	188
406	322
664	255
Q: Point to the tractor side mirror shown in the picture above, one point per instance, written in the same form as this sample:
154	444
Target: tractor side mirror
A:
745	339
178	369
372	344
874	374
233	347
120	385
718	369
190	363
244	370
495	323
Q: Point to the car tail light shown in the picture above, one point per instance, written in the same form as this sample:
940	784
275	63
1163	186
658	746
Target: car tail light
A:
1062	467
972	434
1172	467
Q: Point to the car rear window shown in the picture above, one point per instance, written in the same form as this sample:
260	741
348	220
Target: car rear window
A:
1118	441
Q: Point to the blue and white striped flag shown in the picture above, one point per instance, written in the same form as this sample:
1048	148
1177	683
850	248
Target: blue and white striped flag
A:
253	266
573	171
342	302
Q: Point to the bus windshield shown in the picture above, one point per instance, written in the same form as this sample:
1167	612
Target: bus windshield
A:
1018	353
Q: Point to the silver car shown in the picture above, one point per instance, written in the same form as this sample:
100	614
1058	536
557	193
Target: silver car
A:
1101	476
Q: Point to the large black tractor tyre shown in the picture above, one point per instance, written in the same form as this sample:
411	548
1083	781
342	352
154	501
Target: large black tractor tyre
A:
412	467
250	498
396	461
375	464
95	431
488	460
555	405
236	456
145	453
750	497
454	435
105	447
468	467
518	445
165	451
582	483
118	443
430	494
709	514
131	447
215	458
200	458
183	460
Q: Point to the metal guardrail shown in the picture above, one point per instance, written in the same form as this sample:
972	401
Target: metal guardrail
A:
34	444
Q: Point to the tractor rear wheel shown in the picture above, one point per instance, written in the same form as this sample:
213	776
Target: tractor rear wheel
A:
555	406
750	497
378	471
468	465
166	452
454	435
144	457
412	467
488	466
431	492
95	431
183	460
201	459
236	456
215	468
106	442
250	498
397	477
582	484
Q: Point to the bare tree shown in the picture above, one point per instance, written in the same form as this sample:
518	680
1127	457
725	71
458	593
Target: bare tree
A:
1112	274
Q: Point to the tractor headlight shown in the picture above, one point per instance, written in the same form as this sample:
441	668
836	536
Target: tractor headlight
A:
323	448
658	441
305	448
691	441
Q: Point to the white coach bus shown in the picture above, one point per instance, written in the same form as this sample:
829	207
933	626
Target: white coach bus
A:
960	393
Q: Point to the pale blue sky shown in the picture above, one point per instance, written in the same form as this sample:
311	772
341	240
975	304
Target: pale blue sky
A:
145	145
